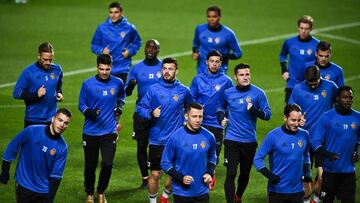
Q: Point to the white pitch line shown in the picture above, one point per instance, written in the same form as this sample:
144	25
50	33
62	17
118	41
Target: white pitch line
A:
279	89
345	39
244	43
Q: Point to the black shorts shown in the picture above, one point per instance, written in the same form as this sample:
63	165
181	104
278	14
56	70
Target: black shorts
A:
200	199
340	185
24	195
155	154
286	198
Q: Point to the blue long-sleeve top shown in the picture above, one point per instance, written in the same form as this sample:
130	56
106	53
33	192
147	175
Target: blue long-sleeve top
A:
172	99
97	94
190	153
206	89
314	103
287	151
337	133
117	37
297	52
42	157
331	71
242	122
31	79
222	39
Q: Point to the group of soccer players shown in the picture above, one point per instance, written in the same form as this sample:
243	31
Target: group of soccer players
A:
183	128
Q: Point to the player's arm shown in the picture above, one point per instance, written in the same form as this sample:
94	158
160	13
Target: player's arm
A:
97	46
283	61
307	163
145	108
235	47
196	45
120	101
57	174
135	43
83	107
21	90
264	111
59	93
221	111
131	82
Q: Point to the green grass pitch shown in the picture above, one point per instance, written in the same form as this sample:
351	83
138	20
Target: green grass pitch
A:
261	27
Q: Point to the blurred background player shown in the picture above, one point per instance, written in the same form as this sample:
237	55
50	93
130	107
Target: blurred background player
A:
101	100
41	161
336	140
144	74
297	51
119	38
243	103
39	85
189	158
164	105
288	150
328	69
214	36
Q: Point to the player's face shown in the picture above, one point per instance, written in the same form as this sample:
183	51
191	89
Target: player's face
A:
213	63
59	123
194	119
242	77
104	71
115	14
345	99
213	18
292	122
323	57
304	30
313	84
45	59
151	50
169	72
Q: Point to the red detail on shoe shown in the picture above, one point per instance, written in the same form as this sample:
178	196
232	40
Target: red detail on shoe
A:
164	200
237	198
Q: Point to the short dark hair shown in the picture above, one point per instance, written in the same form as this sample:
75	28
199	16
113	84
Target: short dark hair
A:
343	88
241	66
291	107
217	9
323	46
104	59
170	60
306	19
312	73
116	5
193	105
157	43
46	47
64	111
214	53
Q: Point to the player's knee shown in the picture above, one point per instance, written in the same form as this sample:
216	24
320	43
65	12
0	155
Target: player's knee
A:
156	174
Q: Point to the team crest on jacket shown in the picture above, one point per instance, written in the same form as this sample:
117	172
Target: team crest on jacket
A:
309	51
353	125
112	91
248	99
203	144
217	87
323	93
327	77
300	143
158	74
52	76
122	34
52	151
175	97
217	40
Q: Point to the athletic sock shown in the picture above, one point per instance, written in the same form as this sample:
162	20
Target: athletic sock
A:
166	194
152	198
316	198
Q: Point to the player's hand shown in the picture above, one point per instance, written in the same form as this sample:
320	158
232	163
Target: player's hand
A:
333	156
59	97
187	180
355	157
132	82
286	75
224	122
156	112
106	50
303	120
125	53
274	179
4	177
41	91
118	129
249	105
195	55
207	178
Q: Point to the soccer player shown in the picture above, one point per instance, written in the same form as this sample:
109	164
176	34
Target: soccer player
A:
189	158
315	96
214	36
39	85
288	150
297	50
243	104
144	74
42	159
328	69
101	100
336	140
119	38
163	104
206	88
